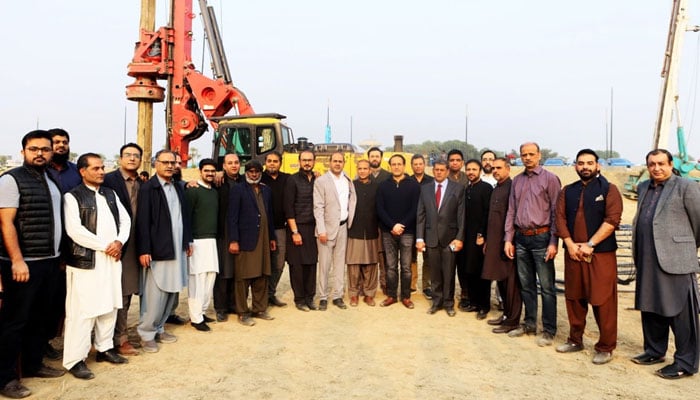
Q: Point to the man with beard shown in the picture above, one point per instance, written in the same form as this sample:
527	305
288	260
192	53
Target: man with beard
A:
252	234
419	175
588	212
487	159
62	171
666	237
126	183
276	181
440	231
203	209
224	300
379	175
397	205
28	258
531	236
476	202
97	226
66	174
164	239
497	266
302	253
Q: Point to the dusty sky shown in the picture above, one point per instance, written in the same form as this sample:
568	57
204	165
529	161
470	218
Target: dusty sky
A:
537	70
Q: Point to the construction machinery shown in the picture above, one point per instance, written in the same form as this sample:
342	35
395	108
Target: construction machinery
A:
668	104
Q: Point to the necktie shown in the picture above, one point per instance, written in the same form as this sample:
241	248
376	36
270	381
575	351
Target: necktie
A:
438	195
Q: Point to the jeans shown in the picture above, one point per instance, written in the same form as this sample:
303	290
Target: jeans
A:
398	249
530	252
277	259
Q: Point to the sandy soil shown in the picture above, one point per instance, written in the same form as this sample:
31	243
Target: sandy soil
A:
374	352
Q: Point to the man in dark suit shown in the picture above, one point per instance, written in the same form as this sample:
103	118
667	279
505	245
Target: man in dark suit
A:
440	230
252	234
126	183
666	238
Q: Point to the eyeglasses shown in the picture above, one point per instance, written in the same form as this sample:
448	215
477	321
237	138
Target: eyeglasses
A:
35	149
173	163
131	155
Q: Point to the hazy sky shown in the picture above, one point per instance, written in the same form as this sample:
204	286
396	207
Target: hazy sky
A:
525	70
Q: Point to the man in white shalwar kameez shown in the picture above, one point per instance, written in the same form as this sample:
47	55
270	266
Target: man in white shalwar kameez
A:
98	226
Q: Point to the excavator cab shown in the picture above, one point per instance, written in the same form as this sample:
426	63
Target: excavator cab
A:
251	137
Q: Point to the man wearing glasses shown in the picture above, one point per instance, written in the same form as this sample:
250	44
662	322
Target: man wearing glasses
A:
30	217
126	183
164	238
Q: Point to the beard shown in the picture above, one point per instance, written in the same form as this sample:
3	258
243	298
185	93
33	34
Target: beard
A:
177	176
253	181
487	169
60	159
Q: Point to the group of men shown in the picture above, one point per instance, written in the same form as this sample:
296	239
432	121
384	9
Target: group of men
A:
225	239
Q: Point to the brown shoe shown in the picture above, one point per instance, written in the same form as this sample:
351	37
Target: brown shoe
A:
388	301
370	301
126	349
497	321
504	328
353	301
407	303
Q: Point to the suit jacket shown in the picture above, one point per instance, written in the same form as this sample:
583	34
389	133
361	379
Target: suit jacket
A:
244	215
327	205
153	223
676	224
439	227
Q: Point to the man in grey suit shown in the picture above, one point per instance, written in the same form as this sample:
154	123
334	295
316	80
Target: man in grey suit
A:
440	229
666	239
334	208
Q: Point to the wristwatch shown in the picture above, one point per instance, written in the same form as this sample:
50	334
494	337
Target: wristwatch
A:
295	232
590	244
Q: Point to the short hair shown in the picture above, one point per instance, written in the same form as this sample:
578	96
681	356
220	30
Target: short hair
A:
486	152
83	160
37	134
144	174
403	159
417	157
206	161
59	132
587	151
274	153
474	161
505	161
232	154
455	151
530	144
342	155
440	161
656	152
375	148
307	151
165	151
363	161
134	145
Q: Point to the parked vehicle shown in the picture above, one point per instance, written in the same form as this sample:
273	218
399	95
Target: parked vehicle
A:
619	162
554	162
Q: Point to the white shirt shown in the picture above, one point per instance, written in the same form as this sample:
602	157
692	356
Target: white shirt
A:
342	187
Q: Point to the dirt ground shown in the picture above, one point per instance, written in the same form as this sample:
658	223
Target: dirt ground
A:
375	353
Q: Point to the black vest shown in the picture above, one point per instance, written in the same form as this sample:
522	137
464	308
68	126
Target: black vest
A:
77	255
34	220
594	211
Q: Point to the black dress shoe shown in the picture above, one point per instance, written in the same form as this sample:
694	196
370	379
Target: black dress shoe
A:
263	315
302	307
202	326
45	372
322	305
208	319
312	306
110	356
482	314
433	309
274	301
463	304
51	353
340	304
175	320
15	390
672	371
647	359
81	371
450	312
221	316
